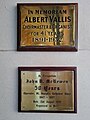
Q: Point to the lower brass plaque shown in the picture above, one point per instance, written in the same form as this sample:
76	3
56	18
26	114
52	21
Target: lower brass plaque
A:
47	89
47	27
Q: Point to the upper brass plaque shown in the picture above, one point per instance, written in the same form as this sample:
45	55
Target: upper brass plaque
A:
47	27
47	89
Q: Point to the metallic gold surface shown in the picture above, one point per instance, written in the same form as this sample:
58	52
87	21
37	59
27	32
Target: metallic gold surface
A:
56	27
47	90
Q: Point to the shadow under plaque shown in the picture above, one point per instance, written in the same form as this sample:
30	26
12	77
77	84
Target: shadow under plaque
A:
47	89
47	27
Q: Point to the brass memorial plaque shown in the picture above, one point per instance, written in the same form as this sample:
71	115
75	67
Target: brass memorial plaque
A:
47	89
47	27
